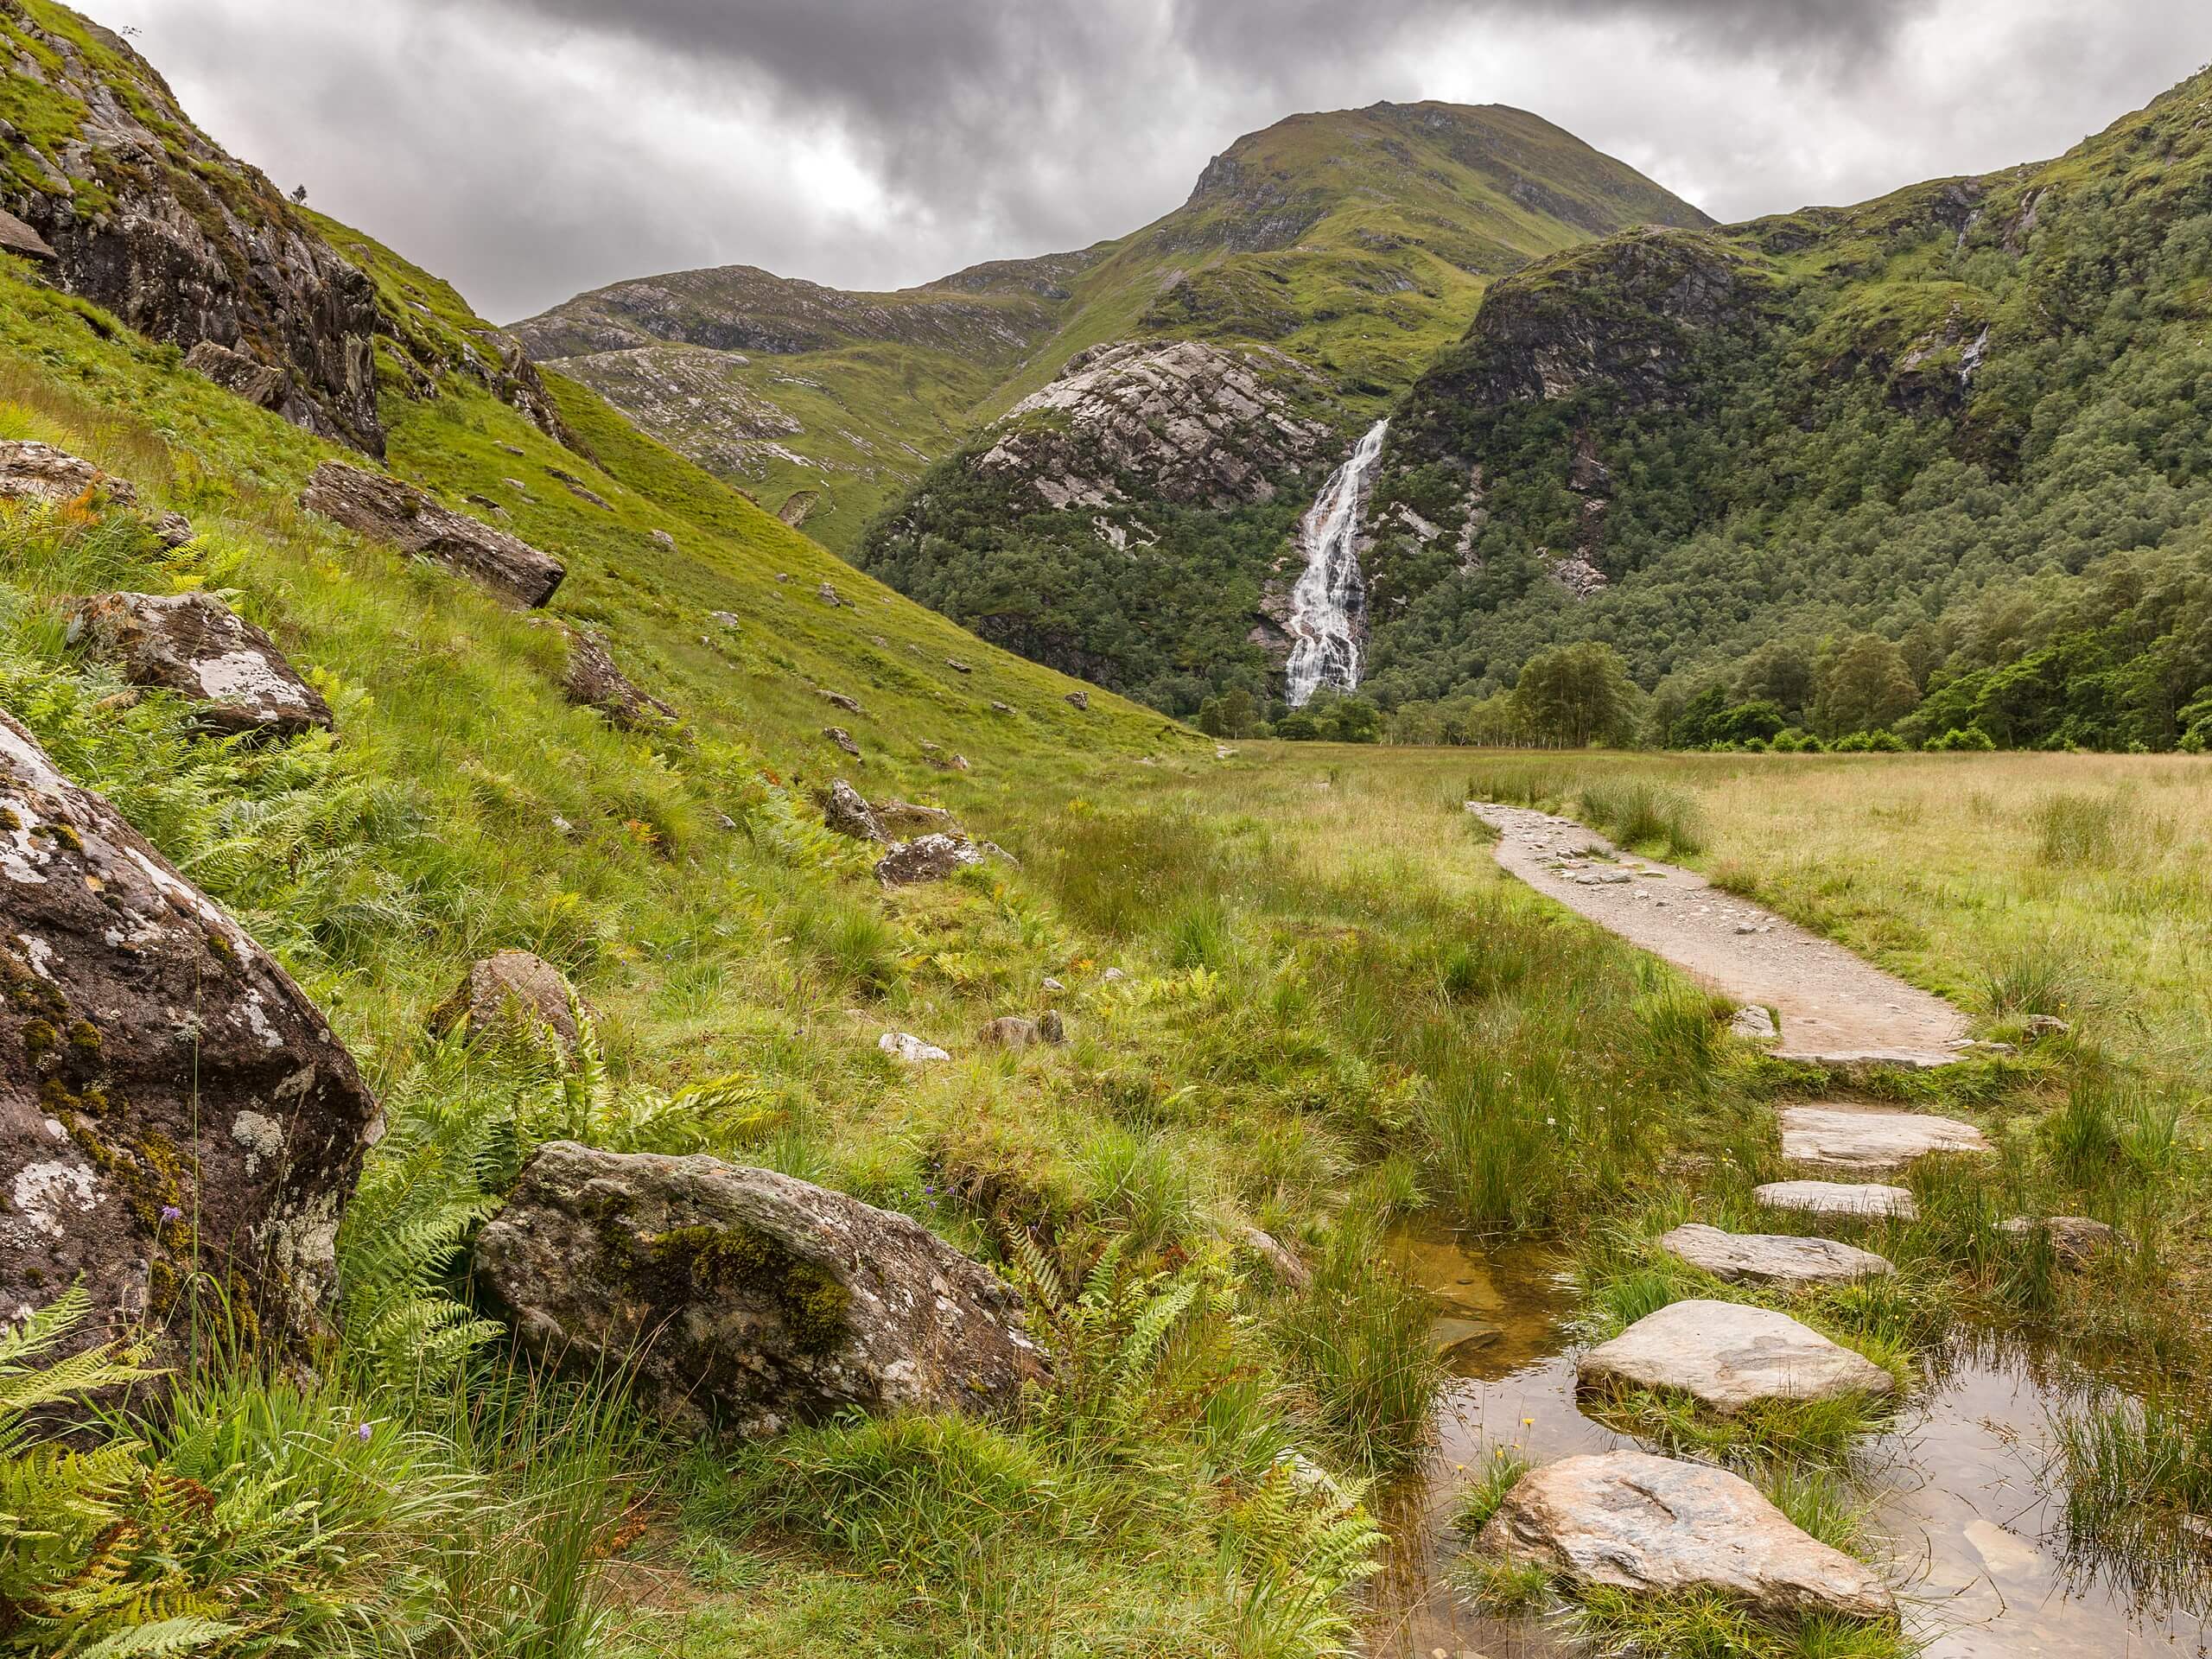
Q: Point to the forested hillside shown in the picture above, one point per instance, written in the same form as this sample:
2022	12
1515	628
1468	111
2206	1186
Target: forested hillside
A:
1935	463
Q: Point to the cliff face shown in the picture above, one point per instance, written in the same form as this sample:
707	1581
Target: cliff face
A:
119	199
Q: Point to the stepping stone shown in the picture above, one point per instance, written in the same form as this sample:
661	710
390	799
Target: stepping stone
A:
1646	1525
1841	1138
1773	1258
1838	1199
1731	1356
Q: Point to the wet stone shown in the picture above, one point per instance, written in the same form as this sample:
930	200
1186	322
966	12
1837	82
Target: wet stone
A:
1731	1356
1772	1258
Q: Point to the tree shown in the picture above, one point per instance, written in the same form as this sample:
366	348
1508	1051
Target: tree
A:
1865	685
1233	714
1780	671
1577	695
300	193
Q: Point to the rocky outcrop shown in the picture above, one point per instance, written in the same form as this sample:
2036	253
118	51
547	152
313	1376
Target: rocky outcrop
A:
1171	421
197	646
743	1299
38	471
927	858
509	994
20	239
382	508
1654	1526
170	1104
1781	1259
1731	1356
185	243
594	681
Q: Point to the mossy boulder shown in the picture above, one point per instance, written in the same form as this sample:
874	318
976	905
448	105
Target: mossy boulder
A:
179	1129
744	1300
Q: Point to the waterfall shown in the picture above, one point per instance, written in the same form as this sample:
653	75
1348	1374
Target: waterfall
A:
1326	605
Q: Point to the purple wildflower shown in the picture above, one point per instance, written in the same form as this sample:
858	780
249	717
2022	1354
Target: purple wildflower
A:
365	1432
169	1213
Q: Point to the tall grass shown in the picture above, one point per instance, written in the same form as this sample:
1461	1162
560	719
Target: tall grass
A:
1358	1342
1638	813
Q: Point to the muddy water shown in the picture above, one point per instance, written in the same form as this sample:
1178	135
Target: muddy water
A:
1975	1530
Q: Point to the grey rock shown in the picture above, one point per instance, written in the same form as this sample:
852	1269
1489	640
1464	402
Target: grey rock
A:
1837	1199
958	666
30	471
838	699
845	811
170	1102
2037	1025
842	739
581	490
904	1046
17	237
827	595
593	681
926	858
262	384
1080	700
1289	1272
904	817
1731	1356
1850	1140
998	707
1755	1024
381	507
1009	1031
2074	1239
664	539
1772	1258
196	645
1650	1526
1053	1028
744	1300
509	994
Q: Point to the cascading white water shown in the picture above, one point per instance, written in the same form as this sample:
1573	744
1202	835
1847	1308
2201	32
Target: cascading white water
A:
1325	606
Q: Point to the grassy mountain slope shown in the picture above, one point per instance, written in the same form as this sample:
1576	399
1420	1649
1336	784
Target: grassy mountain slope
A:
1358	242
1876	420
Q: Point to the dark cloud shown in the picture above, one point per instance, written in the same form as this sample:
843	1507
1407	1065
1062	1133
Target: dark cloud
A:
529	149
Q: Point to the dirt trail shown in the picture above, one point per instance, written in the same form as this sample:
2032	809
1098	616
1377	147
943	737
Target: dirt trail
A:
1832	1005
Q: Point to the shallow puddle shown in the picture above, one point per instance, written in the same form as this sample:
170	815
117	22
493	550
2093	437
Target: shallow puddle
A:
1977	1533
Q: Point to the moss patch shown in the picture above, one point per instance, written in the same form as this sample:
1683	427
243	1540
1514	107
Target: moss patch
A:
745	1261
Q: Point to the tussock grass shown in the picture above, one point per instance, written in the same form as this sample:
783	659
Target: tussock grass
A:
1637	813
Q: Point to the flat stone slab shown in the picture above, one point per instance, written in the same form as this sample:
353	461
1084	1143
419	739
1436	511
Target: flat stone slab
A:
1647	1525
2075	1239
1835	1137
1773	1258
1731	1356
1838	1199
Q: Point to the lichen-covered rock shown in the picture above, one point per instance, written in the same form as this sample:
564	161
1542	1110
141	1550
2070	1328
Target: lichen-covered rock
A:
905	1046
509	993
847	812
594	681
842	739
196	645
170	1102
1731	1356
929	858
30	471
743	1299
903	817
1079	701
1179	420
1651	1526
380	506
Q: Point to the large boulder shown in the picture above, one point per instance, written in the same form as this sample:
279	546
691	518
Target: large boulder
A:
1647	1526
1731	1357
744	1299
594	681
197	646
510	993
170	1104
30	471
379	507
928	858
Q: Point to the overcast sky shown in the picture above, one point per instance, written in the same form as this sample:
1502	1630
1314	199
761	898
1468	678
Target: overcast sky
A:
529	150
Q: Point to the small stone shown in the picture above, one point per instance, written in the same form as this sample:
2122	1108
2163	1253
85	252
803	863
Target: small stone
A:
846	812
827	595
1753	1024
904	817
958	666
727	618
2074	1239
850	705
1837	1199
1731	1356
1009	1031
1651	1526
906	1046
1079	699
1113	976
1001	708
594	681
842	739
1772	1258
1052	984
664	539
1288	1270
2044	1025
1053	1028
508	993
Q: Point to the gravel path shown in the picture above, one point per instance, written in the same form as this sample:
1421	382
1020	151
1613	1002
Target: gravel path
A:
1832	1006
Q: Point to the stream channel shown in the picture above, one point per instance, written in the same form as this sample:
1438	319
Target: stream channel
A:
1971	1513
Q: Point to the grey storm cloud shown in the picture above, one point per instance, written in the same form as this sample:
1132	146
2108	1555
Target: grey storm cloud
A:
531	148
